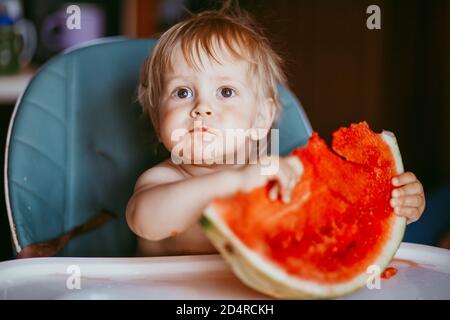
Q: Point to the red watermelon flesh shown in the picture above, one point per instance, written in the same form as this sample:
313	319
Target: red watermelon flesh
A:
339	220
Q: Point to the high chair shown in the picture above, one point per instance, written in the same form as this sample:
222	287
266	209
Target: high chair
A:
78	141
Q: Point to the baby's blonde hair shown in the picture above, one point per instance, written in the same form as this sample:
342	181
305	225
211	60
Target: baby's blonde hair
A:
201	31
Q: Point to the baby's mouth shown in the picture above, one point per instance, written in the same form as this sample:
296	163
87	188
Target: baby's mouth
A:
199	129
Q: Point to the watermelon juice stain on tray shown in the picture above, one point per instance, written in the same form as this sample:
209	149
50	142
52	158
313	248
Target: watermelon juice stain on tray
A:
338	225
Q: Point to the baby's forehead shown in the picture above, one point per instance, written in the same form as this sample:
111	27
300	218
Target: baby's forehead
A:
214	60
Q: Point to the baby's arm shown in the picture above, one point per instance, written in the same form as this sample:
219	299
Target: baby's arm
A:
165	202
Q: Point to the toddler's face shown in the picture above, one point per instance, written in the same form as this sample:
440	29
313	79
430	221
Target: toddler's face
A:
216	98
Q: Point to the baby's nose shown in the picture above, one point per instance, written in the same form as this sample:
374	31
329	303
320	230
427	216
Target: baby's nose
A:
201	110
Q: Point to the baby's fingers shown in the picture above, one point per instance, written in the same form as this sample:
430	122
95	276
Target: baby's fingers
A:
409	189
407	201
412	214
286	189
282	186
286	179
295	164
273	193
404	178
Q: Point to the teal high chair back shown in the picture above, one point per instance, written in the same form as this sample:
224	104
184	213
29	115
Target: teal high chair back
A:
78	141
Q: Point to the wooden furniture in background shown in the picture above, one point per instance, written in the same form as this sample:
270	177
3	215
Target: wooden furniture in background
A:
140	18
396	78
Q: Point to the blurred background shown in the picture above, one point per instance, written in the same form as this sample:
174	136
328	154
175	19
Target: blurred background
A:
395	78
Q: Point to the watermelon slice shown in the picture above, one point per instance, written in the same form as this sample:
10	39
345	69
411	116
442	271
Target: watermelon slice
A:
337	226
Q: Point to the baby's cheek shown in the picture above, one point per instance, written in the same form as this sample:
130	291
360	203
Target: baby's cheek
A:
171	128
238	123
236	120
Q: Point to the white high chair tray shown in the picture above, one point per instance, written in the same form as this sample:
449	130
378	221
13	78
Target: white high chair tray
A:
423	273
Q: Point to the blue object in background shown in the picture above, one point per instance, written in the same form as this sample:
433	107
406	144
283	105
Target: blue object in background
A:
435	221
78	142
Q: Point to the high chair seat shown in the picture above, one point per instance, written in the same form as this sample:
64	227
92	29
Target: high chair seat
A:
78	141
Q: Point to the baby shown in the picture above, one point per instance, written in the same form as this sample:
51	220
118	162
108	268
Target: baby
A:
207	76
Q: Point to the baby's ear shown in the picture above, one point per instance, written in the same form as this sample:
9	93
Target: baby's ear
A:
266	114
155	123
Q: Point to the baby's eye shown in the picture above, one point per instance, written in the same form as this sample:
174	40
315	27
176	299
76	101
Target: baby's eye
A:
183	93
227	92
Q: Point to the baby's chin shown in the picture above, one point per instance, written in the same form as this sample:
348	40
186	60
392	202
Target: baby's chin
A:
192	150
201	148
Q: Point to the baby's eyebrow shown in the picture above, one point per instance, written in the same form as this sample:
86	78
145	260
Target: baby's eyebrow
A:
175	77
227	78
171	78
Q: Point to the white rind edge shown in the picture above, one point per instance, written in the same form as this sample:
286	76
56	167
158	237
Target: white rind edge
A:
254	271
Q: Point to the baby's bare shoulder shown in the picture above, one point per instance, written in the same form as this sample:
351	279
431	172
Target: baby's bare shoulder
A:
163	172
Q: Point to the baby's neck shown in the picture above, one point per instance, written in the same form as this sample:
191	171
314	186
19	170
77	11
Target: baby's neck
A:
195	170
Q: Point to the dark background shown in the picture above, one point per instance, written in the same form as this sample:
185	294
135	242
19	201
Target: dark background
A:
396	78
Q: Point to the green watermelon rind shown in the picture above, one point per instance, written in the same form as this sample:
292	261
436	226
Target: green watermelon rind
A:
268	278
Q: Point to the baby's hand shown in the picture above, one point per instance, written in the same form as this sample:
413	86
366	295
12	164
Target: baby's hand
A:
408	200
286	177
